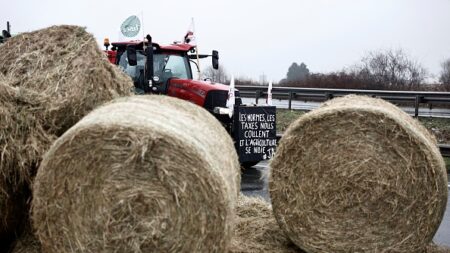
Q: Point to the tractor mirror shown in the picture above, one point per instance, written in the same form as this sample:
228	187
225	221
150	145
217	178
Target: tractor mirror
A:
215	59
131	56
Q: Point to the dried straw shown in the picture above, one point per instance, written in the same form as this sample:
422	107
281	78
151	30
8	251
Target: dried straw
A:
141	174
358	175
14	123
49	79
257	230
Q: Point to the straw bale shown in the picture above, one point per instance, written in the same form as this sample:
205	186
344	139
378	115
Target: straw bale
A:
141	174
358	175
49	79
58	75
257	230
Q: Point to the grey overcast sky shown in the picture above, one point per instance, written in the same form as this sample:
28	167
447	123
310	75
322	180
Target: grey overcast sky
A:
256	37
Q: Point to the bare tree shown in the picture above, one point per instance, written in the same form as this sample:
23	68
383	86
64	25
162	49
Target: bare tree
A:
216	75
445	74
391	69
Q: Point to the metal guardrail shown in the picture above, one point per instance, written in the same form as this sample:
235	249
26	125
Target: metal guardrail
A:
291	93
444	148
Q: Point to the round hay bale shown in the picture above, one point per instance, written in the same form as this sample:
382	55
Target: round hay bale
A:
257	230
59	75
49	79
358	175
141	174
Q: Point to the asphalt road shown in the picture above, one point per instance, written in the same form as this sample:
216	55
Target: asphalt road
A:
307	106
255	183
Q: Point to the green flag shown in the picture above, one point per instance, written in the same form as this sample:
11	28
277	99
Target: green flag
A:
130	27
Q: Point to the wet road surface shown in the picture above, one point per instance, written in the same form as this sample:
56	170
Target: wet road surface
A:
255	183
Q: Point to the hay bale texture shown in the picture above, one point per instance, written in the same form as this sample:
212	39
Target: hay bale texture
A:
257	230
49	79
141	174
358	175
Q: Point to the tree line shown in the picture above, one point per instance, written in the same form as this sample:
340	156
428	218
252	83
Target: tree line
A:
379	70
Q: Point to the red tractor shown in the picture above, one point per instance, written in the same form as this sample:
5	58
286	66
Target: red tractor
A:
166	69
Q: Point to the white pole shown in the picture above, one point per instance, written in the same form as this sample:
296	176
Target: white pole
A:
269	93
231	98
143	33
196	50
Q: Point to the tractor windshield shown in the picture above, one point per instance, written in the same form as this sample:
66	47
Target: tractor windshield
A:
165	66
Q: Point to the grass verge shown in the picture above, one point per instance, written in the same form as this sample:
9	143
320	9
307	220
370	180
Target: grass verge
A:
440	127
285	117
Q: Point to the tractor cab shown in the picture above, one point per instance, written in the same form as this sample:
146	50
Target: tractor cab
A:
169	62
170	73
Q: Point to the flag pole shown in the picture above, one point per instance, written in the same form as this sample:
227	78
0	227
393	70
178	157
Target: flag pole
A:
269	93
231	98
196	50
143	32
